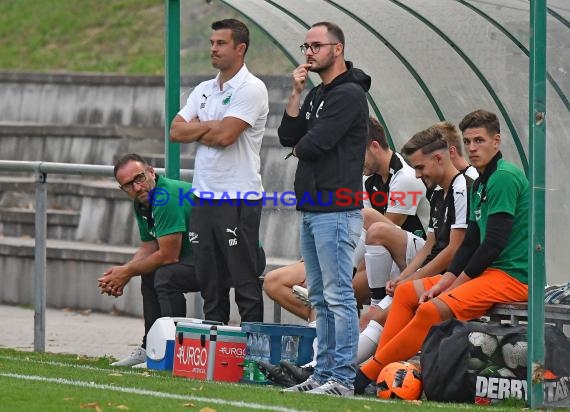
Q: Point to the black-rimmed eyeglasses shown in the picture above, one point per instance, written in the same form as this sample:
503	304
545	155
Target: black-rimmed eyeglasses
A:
138	179
315	47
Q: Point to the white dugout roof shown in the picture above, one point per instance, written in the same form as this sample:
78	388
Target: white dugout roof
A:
440	59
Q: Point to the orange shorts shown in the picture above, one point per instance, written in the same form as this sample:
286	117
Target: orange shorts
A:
474	298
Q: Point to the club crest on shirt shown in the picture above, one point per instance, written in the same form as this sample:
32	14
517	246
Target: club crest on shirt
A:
226	100
193	237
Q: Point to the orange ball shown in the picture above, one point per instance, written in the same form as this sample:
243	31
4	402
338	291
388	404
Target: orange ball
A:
399	380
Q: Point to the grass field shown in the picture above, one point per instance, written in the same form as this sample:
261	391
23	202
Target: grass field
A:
117	36
49	382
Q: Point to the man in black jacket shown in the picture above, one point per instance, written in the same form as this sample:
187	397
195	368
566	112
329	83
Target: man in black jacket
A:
328	134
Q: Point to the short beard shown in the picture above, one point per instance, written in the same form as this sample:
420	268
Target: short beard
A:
327	64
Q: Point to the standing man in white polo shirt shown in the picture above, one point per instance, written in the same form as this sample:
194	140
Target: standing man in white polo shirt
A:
226	118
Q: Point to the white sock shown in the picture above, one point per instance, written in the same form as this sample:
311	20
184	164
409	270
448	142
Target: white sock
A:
378	266
385	303
312	363
360	249
312	324
315	348
395	271
368	341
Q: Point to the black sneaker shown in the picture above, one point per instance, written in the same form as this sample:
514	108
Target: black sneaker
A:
361	382
275	374
298	373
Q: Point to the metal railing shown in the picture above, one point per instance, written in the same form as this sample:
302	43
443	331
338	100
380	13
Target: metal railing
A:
42	169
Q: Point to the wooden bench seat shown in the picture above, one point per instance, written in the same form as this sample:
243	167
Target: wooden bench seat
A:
515	312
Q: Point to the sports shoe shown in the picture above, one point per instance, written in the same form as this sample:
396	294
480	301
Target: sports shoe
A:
310	384
300	374
361	382
557	294
333	388
136	357
302	294
276	374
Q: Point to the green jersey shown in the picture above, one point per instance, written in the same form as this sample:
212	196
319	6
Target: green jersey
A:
167	214
505	191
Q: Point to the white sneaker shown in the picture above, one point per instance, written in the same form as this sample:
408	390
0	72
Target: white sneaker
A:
136	357
306	386
333	388
302	294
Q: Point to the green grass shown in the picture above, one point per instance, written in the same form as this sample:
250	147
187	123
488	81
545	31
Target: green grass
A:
123	36
197	16
49	382
116	36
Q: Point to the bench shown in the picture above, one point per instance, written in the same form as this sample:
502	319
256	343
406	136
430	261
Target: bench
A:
515	312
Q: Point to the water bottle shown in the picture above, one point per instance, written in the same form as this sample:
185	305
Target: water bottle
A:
254	346
285	347
250	365
264	354
284	344
265	348
294	350
289	348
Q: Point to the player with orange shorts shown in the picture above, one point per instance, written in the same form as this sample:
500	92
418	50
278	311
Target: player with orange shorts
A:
491	265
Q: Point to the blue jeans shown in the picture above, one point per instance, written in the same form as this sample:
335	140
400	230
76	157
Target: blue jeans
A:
328	241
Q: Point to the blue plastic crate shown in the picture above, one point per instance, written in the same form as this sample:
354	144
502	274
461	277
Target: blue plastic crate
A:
276	332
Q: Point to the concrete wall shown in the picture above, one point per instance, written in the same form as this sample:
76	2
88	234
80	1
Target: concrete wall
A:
93	119
80	99
71	279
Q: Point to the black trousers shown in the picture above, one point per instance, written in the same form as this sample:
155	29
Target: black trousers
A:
228	255
163	292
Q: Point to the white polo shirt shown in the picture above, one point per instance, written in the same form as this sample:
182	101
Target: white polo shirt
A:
225	171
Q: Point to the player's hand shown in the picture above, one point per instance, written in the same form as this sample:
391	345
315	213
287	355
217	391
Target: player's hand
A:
391	286
430	294
366	317
300	75
114	280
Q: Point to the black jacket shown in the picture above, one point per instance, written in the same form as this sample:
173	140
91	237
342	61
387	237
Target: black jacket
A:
329	137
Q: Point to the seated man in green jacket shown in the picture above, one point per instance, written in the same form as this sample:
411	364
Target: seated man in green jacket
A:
162	209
